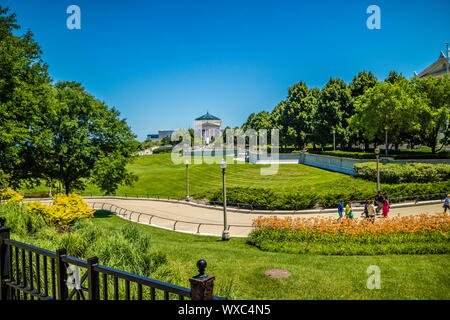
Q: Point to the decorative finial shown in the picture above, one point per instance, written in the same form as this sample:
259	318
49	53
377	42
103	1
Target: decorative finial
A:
201	265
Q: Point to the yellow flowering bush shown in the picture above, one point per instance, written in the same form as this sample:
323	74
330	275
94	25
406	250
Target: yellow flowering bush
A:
65	211
8	195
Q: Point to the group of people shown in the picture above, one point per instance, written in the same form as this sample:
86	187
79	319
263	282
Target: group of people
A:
371	208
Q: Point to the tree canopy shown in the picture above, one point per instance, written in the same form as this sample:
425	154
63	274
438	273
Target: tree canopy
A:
55	132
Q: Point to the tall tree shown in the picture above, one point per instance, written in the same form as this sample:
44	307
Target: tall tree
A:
80	139
359	85
434	117
332	110
387	106
24	93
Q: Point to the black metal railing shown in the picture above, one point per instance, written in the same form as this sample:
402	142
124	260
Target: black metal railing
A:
32	273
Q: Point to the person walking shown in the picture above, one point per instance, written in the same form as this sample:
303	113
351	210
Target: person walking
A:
385	207
365	214
379	201
371	209
447	203
349	210
340	210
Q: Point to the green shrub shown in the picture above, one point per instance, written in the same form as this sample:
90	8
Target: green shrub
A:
162	150
20	220
269	199
396	173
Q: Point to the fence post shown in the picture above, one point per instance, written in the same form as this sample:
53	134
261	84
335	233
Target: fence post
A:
61	274
202	285
4	260
93	279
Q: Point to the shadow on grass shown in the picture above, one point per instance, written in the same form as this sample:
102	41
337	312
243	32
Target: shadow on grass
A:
103	214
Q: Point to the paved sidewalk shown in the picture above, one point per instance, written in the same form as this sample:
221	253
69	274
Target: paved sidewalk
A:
169	212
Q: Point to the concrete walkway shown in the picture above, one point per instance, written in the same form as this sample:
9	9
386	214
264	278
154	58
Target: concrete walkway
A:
211	220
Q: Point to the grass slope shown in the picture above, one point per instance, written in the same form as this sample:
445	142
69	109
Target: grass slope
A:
158	175
239	269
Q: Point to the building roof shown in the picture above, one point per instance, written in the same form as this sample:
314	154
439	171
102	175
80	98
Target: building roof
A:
437	68
207	116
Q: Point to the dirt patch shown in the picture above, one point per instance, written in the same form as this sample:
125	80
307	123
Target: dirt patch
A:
278	273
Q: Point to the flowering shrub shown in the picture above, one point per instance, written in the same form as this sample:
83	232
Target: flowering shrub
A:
407	234
8	195
65	211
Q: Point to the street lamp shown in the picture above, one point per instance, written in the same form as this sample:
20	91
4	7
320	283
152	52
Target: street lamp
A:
386	139
377	153
225	233
187	180
334	139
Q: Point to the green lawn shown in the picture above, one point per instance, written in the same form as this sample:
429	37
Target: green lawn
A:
158	175
239	269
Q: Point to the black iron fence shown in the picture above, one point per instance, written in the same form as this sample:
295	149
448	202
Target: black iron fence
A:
32	273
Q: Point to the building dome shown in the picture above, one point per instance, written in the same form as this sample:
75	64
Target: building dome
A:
207	116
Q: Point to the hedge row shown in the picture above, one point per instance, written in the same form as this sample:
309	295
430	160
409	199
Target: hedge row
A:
269	199
396	173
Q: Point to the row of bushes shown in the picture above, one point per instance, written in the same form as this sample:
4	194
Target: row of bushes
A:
423	234
269	199
410	172
162	150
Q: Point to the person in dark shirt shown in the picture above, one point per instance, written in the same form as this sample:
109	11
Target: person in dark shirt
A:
379	201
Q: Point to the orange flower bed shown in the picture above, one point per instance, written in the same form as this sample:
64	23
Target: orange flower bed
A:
415	234
418	224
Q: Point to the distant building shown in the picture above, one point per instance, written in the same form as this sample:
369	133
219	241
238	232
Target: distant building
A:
436	69
208	126
152	137
161	135
165	133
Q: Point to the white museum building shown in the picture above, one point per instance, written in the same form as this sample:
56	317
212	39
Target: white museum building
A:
208	126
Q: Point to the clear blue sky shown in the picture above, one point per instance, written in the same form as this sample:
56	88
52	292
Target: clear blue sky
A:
163	63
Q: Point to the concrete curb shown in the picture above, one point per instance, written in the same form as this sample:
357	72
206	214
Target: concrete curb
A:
273	212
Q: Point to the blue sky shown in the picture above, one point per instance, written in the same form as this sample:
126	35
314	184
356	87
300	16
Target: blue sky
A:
164	63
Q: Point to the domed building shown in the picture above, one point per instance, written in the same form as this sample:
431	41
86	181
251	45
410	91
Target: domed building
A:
208	126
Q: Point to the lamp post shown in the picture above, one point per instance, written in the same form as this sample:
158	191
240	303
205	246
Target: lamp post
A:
187	180
386	128
377	153
225	233
334	139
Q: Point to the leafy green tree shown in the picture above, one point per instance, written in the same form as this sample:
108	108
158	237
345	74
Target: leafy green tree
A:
387	106
25	91
395	77
434	116
359	85
80	139
298	113
332	110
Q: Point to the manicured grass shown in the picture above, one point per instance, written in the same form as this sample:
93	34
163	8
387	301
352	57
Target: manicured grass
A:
158	175
239	269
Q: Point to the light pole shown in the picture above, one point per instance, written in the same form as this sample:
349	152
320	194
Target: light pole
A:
386	139
334	139
187	180
377	153
225	233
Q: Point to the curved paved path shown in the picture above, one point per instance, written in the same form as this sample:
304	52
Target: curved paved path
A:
196	215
